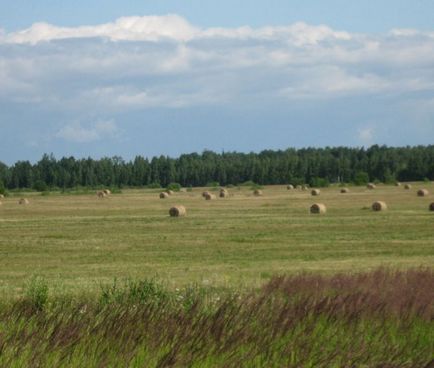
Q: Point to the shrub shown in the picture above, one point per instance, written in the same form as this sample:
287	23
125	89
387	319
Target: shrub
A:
361	178
213	184
40	186
319	182
153	186
176	187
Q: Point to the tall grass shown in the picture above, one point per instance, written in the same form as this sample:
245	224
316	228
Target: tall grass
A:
378	319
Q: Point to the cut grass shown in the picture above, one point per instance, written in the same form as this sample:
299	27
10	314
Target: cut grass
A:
83	241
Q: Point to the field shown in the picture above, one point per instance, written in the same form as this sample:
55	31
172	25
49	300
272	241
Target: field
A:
88	282
79	241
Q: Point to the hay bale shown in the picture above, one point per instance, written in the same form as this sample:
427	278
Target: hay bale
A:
422	193
164	195
1	196
170	192
318	209
107	191
177	211
101	194
371	186
315	192
257	193
223	193
397	184
210	197
204	194
305	187
431	207
407	186
290	187
23	201
379	206
345	190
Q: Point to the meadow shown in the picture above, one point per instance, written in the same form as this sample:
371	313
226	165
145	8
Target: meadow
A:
240	281
80	241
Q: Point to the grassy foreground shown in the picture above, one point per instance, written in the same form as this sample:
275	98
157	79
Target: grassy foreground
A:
77	242
379	319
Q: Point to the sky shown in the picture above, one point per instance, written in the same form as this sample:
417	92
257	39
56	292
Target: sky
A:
105	78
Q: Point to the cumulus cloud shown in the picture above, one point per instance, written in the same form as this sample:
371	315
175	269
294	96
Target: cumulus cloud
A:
151	62
77	133
366	135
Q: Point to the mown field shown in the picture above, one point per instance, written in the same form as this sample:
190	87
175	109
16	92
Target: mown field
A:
79	241
88	282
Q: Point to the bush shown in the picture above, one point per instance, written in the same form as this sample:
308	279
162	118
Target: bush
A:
319	182
248	183
153	186
361	178
213	184
40	186
176	187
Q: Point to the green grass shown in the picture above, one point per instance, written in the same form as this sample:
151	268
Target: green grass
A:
80	241
201	291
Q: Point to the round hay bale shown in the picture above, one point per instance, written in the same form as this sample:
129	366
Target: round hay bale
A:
305	187
101	194
177	211
1	196
290	187
23	201
345	190
223	193
164	195
170	192
107	191
257	193
422	193
204	194
431	207
371	186
379	206
210	197
407	186
397	184
318	209
315	192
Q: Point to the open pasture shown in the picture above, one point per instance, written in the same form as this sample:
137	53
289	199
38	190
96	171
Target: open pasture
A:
77	242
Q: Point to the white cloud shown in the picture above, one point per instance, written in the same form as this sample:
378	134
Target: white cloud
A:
366	135
76	133
165	62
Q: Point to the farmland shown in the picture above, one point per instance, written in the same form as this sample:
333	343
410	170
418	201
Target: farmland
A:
116	281
80	241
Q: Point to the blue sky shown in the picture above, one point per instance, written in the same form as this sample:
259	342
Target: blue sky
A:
99	78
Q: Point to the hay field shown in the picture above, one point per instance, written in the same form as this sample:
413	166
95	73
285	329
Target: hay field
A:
77	242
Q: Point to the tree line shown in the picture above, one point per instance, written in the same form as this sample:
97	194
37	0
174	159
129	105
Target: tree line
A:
317	166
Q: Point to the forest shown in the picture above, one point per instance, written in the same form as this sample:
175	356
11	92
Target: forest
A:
316	166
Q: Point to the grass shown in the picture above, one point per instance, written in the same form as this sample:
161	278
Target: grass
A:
80	241
89	282
377	319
